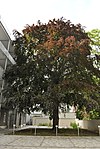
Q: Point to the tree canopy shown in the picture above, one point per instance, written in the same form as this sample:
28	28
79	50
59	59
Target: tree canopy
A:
95	44
53	66
93	113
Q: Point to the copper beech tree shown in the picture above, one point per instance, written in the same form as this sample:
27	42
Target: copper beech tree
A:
53	67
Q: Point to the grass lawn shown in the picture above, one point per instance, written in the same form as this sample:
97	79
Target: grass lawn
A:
50	132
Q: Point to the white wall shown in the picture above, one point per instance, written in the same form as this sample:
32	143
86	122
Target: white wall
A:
89	124
40	120
68	115
63	122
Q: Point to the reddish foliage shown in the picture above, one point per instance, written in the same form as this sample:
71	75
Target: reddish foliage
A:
61	35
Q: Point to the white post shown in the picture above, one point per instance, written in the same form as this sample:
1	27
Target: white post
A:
56	130
35	131
99	130
14	129
78	128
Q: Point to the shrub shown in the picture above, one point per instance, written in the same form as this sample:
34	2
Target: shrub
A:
73	125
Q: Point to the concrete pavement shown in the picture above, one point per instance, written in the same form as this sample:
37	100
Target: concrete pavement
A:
48	142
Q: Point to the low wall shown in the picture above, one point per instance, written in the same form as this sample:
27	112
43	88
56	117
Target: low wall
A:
68	115
40	120
63	122
89	124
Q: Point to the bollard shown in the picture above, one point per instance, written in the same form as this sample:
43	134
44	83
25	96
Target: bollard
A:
99	130
78	129
35	131
14	129
56	130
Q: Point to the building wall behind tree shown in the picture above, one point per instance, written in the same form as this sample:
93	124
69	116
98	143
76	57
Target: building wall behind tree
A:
6	58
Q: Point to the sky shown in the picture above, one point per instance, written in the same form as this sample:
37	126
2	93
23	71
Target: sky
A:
16	14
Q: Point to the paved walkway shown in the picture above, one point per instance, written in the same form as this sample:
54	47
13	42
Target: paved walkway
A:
48	142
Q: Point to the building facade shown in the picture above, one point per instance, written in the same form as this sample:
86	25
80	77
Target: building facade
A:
6	59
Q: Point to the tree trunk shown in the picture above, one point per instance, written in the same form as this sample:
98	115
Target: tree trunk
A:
55	117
